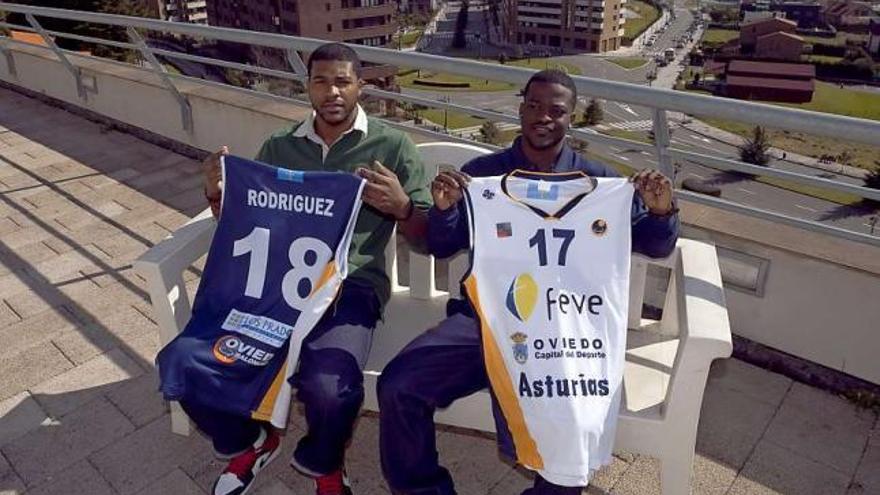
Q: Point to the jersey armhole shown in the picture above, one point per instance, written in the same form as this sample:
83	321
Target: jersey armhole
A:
345	243
469	204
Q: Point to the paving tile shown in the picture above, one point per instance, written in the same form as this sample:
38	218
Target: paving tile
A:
867	478
32	303
608	476
176	482
513	483
20	415
7	315
139	400
10	483
157	450
712	477
30	367
731	424
774	469
474	459
641	478
52	448
71	389
757	383
86	342
822	427
78	478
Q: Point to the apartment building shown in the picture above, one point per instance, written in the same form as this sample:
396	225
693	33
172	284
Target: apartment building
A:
569	25
195	11
363	22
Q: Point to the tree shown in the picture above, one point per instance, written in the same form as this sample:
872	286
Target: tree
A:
754	150
593	113
490	133
458	39
113	33
578	145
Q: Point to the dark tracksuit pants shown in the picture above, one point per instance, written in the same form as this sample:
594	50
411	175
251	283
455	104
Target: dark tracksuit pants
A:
438	367
329	383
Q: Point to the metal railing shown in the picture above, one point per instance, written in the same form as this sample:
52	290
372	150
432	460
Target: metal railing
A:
662	101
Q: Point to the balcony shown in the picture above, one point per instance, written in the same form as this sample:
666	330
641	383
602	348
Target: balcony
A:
96	166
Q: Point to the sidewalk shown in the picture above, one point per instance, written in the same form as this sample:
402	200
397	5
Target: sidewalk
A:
79	410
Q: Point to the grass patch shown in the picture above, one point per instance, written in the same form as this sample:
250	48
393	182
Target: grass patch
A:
542	64
633	27
838	40
714	36
628	62
408	40
509	135
406	77
827	98
621	168
406	81
824	59
830	98
641	137
454	120
831	195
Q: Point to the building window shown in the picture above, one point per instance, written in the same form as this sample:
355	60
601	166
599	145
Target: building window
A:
329	28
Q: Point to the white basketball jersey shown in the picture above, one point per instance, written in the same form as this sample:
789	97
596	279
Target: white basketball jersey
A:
549	282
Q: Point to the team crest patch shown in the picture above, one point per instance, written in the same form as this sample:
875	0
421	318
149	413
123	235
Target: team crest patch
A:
520	347
600	227
488	194
503	229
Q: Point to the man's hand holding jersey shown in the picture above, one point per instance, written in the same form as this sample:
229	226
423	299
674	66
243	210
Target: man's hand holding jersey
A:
213	177
655	190
448	188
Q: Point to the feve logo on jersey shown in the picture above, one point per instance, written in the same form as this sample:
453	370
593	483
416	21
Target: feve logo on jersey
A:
522	297
229	349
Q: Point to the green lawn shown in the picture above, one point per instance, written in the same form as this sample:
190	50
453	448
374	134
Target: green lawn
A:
628	62
408	40
715	36
406	78
824	59
634	26
543	63
827	98
838	40
455	120
641	137
830	98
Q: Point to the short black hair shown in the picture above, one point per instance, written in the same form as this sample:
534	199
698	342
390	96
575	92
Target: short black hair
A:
553	76
336	52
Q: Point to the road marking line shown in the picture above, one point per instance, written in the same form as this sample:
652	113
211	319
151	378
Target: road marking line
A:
805	208
622	158
646	153
697	175
745	190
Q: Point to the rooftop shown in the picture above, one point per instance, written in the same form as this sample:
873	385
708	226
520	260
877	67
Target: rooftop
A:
80	412
772	69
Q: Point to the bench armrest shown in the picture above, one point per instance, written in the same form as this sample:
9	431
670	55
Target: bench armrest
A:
163	265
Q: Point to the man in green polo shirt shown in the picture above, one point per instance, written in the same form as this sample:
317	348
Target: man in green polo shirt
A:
337	137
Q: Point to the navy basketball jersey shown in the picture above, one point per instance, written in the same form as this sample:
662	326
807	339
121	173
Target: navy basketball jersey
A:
276	262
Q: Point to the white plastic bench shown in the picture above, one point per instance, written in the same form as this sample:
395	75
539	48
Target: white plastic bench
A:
667	361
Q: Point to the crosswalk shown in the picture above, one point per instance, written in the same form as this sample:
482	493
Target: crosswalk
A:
632	125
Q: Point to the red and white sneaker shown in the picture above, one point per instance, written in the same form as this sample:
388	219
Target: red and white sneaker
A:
335	483
241	471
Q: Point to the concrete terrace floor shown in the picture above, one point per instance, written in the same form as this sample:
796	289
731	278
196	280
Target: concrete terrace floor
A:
78	409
